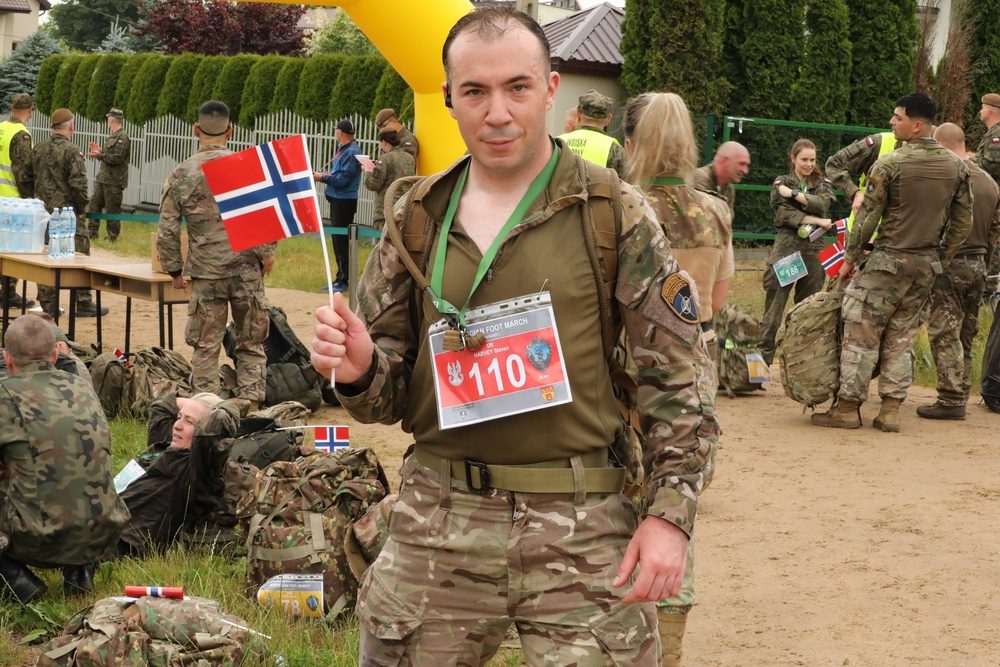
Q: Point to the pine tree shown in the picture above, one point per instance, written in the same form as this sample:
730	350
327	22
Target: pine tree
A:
19	70
259	88
177	86
81	84
203	83
229	86
316	85
63	90
356	87
46	84
822	93
117	40
390	92
101	97
146	87
984	52
286	88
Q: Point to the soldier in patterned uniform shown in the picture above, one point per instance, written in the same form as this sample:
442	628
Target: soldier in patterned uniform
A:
659	140
15	148
921	194
395	163
386	120
468	555
112	179
955	297
988	158
55	173
590	139
800	200
58	506
220	279
730	164
858	158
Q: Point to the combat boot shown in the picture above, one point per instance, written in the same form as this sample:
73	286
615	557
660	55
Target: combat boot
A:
89	309
16	301
78	579
671	627
941	411
844	414
888	416
17	581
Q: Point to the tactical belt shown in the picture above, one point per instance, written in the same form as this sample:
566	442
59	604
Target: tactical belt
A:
546	477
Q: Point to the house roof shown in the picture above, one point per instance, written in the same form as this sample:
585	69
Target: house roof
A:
590	39
16	6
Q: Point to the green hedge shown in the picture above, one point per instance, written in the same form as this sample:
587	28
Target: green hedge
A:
390	92
46	84
146	88
101	97
406	104
81	84
356	86
229	86
203	83
286	88
177	85
123	91
63	90
316	85
259	88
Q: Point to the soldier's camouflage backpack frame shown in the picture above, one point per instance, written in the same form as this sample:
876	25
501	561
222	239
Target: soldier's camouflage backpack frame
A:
739	336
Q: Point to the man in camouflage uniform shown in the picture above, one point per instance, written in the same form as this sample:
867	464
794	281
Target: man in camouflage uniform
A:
922	196
858	158
730	164
386	120
508	543
220	278
988	158
590	139
955	297
15	148
112	179
395	163
58	506
55	173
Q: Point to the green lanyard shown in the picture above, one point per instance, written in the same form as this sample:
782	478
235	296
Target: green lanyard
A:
437	275
664	180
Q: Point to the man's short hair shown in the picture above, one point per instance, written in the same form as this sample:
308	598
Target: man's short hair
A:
492	22
918	106
391	137
213	118
29	338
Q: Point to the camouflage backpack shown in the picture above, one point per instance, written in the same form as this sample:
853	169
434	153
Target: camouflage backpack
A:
110	377
156	372
739	335
809	348
161	632
298	516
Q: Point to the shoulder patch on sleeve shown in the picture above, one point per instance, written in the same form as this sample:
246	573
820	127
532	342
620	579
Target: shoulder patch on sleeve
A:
996	140
677	295
869	141
870	188
827	180
777	181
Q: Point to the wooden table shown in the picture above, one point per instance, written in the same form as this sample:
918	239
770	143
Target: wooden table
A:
137	281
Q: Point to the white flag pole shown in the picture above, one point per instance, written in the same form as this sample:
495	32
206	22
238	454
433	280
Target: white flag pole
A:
326	253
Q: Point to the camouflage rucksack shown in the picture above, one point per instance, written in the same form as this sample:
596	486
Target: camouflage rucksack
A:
808	345
162	632
739	336
156	372
110	377
298	516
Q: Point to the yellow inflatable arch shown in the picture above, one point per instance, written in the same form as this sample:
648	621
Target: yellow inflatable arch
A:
410	34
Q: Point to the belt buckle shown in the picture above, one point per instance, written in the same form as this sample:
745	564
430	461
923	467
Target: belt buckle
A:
484	476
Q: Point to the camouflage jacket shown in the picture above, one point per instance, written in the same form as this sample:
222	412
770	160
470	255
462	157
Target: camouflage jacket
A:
57	501
704	179
397	163
676	396
985	232
114	156
923	197
408	142
855	158
789	212
988	153
20	153
56	174
186	194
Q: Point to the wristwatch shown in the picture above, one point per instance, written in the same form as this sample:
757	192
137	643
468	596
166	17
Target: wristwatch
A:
795	192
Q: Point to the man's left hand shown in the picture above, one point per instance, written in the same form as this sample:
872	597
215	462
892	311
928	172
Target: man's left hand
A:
266	265
846	270
660	549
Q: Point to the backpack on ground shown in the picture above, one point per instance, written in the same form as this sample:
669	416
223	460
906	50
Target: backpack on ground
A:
124	632
156	372
298	516
110	377
739	337
260	443
808	345
989	386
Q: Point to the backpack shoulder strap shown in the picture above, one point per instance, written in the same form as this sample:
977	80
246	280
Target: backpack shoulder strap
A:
413	240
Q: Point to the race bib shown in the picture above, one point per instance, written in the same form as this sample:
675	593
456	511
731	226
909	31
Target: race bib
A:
518	368
299	595
789	269
757	370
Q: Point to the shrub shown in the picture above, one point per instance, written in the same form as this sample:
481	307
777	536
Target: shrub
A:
822	93
101	97
81	84
390	92
229	85
259	88
316	85
286	88
356	86
63	90
19	71
146	88
177	85
203	83
123	91
45	86
405	112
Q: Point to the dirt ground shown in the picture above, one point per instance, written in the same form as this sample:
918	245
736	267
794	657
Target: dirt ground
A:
814	546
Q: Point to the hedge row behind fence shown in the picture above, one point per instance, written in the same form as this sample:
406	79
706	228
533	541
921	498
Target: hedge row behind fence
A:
150	85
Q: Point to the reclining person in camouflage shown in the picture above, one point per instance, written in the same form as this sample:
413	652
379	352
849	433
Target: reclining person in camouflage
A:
58	505
190	439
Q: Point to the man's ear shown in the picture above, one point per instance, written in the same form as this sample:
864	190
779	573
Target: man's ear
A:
197	131
55	355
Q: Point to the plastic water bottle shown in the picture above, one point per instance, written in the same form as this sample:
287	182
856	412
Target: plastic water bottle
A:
70	244
4	225
54	235
17	224
806	230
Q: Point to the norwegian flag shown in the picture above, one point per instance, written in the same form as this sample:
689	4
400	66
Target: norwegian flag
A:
832	258
122	357
841	226
265	193
329	438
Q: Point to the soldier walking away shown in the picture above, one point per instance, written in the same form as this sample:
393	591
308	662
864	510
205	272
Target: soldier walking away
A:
394	164
537	533
590	139
386	120
112	179
55	173
15	149
58	505
221	280
730	164
922	195
955	297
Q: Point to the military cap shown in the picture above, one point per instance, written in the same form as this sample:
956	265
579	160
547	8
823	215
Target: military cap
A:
594	105
992	99
61	115
21	101
117	114
346	126
383	116
60	336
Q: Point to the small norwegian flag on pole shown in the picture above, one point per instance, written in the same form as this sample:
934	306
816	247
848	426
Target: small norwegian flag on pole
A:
122	357
329	438
841	226
832	258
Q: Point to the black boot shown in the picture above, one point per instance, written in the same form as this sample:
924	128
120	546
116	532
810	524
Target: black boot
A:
78	579
89	310
17	581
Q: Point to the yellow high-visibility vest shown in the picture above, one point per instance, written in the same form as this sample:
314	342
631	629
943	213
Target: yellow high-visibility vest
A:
591	145
8	185
888	145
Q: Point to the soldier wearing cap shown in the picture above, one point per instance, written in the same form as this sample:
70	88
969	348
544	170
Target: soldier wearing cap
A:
590	140
386	120
342	183
112	179
988	153
15	147
55	173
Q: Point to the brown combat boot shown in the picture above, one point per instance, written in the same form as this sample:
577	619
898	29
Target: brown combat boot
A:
941	411
843	414
888	416
671	628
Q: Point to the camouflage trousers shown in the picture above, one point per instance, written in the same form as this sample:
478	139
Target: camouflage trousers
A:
459	568
786	243
208	315
47	297
953	325
106	198
883	303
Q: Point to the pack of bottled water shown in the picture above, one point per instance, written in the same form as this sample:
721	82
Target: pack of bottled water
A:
62	233
22	225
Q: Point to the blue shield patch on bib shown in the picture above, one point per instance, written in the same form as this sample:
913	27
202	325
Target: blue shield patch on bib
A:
539	353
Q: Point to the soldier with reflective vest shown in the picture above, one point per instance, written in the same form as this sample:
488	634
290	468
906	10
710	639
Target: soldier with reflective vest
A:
590	140
15	147
858	158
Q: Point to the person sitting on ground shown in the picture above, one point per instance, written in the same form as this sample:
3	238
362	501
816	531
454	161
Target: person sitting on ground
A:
58	505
